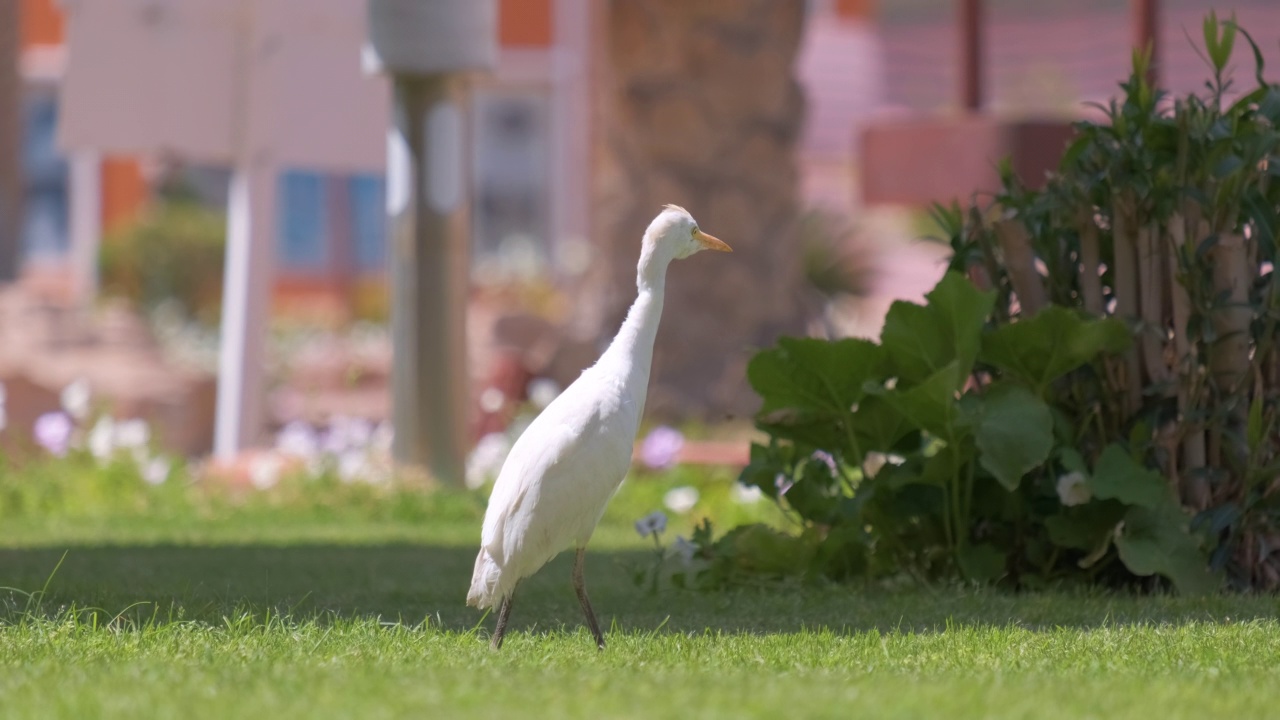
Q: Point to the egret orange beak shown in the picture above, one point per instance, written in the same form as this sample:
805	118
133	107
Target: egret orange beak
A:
711	242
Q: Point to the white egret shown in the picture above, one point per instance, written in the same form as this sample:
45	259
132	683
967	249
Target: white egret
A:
562	471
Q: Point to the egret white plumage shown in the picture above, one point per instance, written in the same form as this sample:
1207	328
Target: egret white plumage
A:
564	468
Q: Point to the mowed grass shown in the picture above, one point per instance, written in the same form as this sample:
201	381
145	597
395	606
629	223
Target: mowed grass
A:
279	609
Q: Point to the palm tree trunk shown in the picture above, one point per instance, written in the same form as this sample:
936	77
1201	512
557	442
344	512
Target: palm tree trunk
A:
701	108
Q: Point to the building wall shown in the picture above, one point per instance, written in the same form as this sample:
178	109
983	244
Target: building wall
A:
331	231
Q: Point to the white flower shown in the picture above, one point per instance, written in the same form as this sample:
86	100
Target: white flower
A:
382	437
75	399
346	433
1073	489
542	391
264	471
155	471
485	461
652	524
492	400
684	549
299	440
680	500
745	494
352	466
102	438
133	434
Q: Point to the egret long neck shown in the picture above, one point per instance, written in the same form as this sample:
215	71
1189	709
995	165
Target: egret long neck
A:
631	352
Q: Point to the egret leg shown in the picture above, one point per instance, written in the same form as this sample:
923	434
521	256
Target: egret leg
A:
580	587
499	630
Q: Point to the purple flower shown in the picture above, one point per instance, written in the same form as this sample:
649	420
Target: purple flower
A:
652	524
783	484
661	448
53	432
685	550
825	458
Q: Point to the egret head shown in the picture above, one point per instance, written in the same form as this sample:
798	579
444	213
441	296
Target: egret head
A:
677	234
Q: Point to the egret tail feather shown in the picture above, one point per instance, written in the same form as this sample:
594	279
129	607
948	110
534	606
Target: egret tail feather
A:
486	582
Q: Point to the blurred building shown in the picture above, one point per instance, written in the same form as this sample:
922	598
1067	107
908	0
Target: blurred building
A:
525	140
531	135
123	187
530	156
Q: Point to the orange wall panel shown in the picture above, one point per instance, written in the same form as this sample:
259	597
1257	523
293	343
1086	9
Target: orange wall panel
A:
41	22
856	9
525	23
124	191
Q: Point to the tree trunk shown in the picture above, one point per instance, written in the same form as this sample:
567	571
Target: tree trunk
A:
11	185
701	108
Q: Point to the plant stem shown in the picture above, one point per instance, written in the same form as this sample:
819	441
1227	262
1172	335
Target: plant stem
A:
1125	286
1090	262
1151	281
1193	489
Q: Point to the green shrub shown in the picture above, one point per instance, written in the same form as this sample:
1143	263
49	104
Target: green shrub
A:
174	253
1090	392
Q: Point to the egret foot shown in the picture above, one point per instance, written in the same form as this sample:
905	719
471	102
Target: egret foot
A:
500	629
580	587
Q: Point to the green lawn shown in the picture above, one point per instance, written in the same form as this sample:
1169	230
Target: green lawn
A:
267	609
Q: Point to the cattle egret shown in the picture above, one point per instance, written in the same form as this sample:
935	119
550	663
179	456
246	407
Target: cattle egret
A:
560	474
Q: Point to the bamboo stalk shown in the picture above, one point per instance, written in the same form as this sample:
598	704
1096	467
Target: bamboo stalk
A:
1229	355
1194	486
1125	288
1229	359
1151	282
1020	263
1090	264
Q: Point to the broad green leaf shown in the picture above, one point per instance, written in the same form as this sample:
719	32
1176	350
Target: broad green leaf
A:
812	374
982	562
1013	431
878	425
809	387
1073	461
1155	540
931	404
1050	344
921	340
1085	526
1118	476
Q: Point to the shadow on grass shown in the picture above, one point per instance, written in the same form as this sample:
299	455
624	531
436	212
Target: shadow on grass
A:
412	583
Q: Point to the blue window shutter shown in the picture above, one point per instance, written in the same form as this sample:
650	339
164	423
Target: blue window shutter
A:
369	221
302	238
44	224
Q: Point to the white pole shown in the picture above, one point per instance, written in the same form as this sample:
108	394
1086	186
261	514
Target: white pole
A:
85	221
246	304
